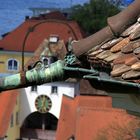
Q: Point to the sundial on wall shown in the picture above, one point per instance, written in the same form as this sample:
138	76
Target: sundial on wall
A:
43	103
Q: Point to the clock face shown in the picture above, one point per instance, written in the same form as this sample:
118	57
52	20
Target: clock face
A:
43	103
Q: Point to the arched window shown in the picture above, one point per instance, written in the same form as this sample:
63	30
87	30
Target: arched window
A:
12	64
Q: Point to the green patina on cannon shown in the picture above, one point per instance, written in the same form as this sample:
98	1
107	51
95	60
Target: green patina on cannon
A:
34	76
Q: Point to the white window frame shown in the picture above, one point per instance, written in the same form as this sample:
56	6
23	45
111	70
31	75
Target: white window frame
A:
12	59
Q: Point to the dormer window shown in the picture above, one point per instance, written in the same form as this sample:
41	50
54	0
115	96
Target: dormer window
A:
34	88
12	65
53	38
54	89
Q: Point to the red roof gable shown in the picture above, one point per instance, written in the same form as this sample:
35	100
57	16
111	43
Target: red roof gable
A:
44	28
7	104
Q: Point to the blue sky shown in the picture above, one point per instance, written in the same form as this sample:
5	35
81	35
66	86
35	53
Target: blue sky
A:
128	1
22	4
13	12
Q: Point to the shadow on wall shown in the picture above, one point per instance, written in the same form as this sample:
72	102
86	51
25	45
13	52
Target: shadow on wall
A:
35	121
25	109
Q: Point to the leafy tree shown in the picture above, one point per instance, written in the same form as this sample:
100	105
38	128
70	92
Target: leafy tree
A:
92	16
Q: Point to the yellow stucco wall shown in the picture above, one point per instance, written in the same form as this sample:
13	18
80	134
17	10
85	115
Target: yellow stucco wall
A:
14	129
5	56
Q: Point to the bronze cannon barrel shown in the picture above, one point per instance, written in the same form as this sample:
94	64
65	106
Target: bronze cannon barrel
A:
33	77
116	25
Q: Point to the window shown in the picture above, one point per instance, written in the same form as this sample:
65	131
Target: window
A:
17	119
53	38
54	89
12	121
12	64
34	88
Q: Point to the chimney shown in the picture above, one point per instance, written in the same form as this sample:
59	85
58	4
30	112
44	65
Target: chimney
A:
27	17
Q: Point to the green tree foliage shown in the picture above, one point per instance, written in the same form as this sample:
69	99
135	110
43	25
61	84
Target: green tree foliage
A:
92	16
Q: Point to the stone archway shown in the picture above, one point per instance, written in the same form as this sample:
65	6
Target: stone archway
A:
39	126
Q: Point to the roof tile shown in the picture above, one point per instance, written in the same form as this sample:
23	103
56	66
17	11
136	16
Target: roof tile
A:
127	49
138	56
118	70
120	45
130	30
111	43
137	50
136	34
136	66
94	53
104	54
130	61
131	75
122	54
121	59
112	57
136	44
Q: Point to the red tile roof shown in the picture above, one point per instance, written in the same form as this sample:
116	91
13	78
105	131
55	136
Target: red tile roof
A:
121	55
7	104
91	117
44	28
